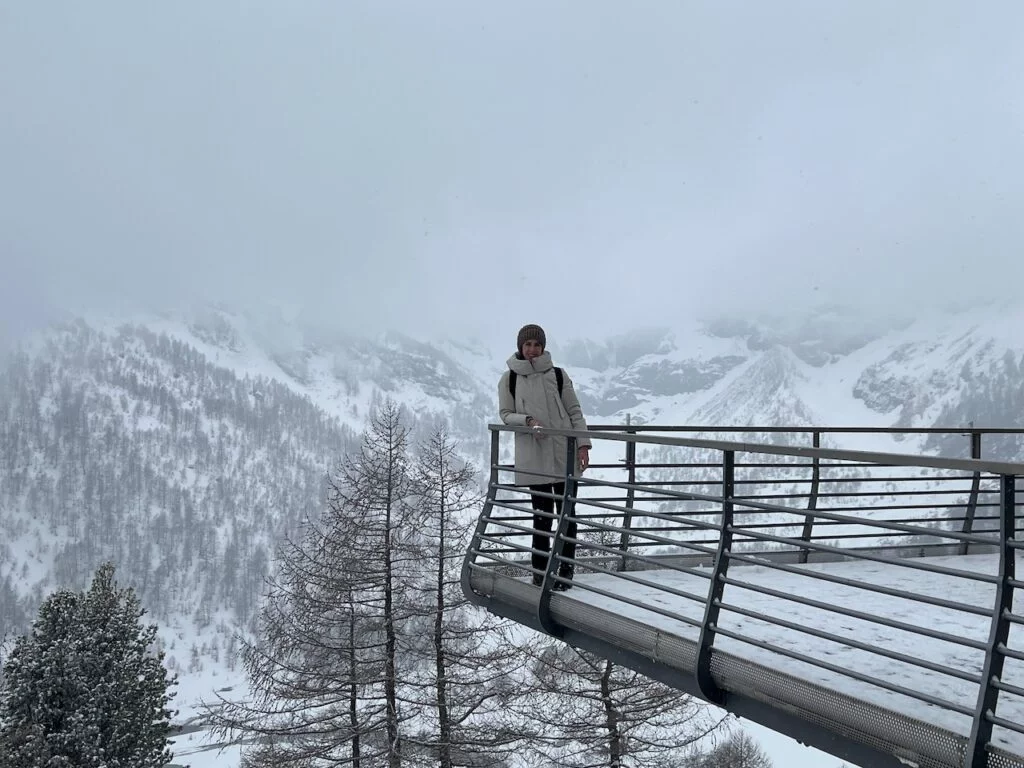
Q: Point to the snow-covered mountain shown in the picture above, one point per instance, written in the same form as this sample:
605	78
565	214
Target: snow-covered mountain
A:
183	446
837	369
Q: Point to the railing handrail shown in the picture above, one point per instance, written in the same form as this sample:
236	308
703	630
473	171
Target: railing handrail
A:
809	430
838	454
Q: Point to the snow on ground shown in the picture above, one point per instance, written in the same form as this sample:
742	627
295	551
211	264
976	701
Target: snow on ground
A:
194	750
198	748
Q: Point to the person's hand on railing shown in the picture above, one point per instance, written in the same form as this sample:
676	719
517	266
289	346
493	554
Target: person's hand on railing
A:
536	426
584	454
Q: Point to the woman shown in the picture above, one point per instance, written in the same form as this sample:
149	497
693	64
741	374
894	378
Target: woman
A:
533	393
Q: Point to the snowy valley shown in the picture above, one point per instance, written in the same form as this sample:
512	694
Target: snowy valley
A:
184	446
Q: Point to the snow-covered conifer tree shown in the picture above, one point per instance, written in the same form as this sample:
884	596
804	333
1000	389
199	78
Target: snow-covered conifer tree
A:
84	687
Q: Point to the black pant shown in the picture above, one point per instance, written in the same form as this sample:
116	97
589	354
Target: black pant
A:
543	525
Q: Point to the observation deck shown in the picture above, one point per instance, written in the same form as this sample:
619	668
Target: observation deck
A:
864	603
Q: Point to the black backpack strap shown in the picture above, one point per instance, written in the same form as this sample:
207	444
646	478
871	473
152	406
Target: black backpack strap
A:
559	377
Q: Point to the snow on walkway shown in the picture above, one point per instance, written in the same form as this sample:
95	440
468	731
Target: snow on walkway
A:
960	589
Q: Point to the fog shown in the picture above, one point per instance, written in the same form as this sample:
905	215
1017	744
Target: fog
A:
451	167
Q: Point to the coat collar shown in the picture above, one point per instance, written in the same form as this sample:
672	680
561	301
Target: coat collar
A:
526	367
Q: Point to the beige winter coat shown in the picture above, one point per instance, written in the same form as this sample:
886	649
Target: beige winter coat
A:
537	396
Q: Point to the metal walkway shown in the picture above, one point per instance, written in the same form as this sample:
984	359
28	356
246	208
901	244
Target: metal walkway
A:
861	603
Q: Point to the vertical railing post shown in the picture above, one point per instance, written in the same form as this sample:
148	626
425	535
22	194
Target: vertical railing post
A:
972	501
705	681
999	633
627	518
558	542
812	497
485	514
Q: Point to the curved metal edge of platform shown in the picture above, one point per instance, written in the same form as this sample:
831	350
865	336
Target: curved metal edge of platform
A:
834	722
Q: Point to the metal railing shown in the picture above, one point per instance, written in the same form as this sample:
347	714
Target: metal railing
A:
786	583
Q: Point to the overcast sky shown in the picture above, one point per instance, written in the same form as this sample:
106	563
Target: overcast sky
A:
586	165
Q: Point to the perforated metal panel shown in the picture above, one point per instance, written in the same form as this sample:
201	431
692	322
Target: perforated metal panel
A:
879	728
997	758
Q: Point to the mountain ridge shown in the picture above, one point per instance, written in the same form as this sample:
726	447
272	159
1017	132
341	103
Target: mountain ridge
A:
184	445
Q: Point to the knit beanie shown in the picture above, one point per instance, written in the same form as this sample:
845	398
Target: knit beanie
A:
528	333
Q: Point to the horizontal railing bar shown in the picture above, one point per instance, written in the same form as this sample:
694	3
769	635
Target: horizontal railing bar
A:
664	541
831	514
882	537
670	465
751	531
637	604
960	431
646	538
1010	653
851	480
515	526
845	508
877	588
662	484
951	504
919	696
879	559
1004	723
858	494
861	494
628	576
856	480
633	557
525	492
803	464
925	526
869	457
503	504
908	520
749	556
710	551
748	533
871	618
652	532
674	518
646	488
930	492
892	507
948	473
852	643
1014	689
758	507
914	479
506	545
488	555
